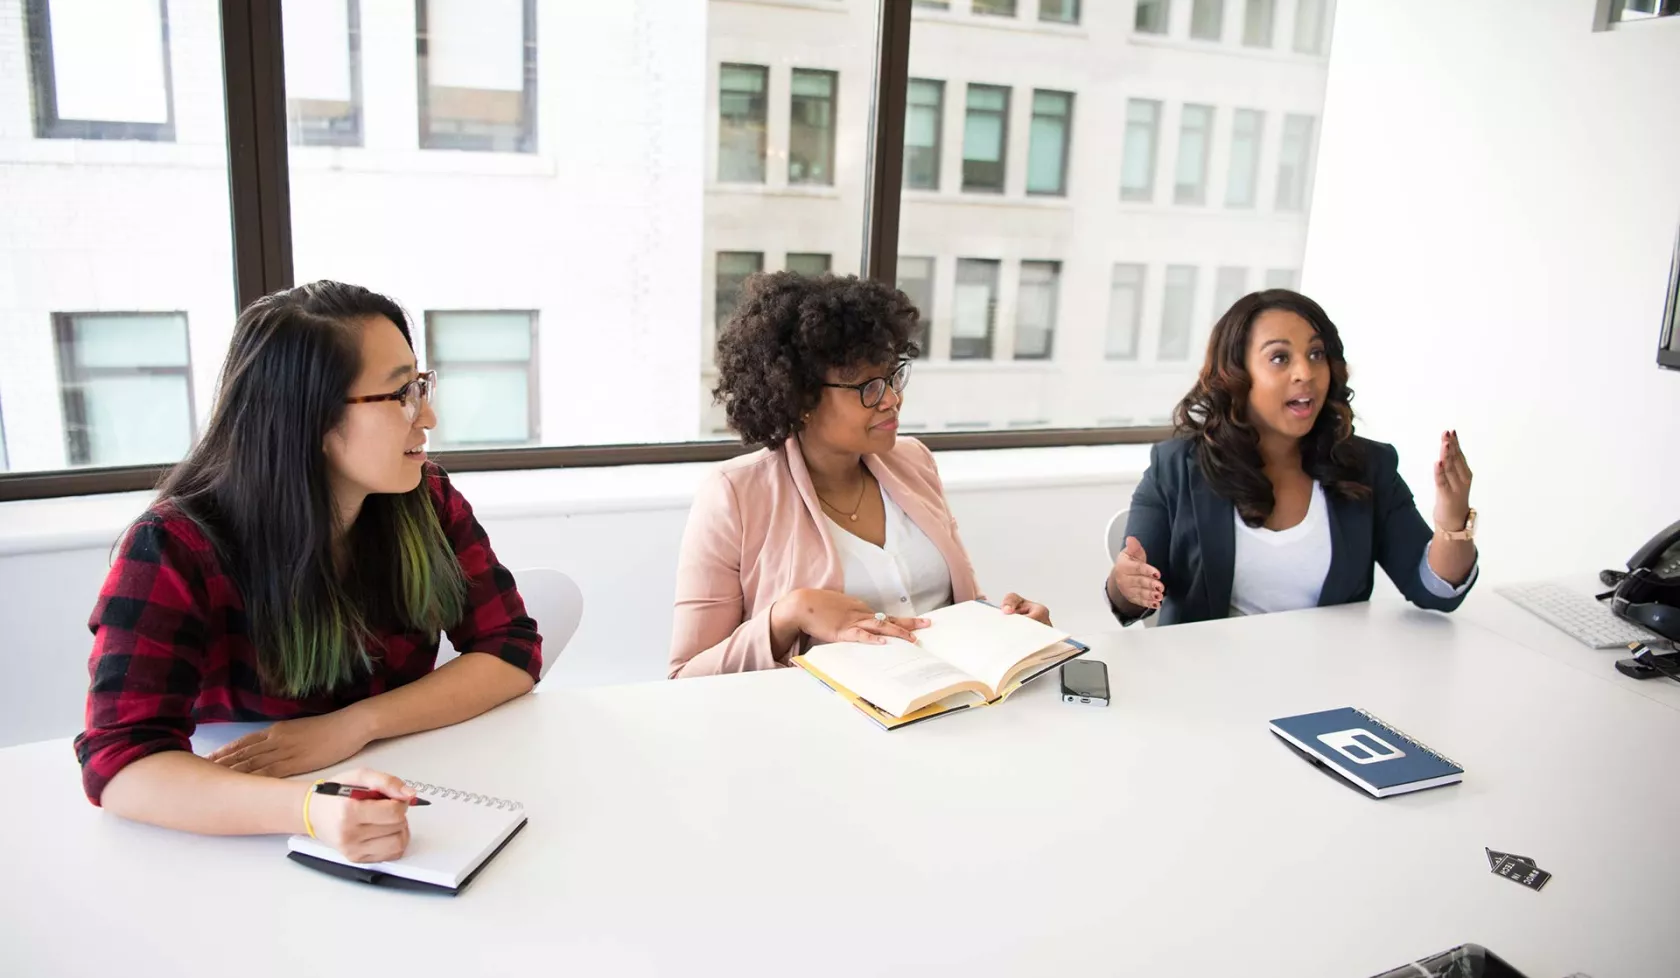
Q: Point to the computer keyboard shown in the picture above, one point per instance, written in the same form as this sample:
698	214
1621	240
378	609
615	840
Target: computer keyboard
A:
1578	615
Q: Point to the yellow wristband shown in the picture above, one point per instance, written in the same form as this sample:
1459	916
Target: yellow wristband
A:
307	827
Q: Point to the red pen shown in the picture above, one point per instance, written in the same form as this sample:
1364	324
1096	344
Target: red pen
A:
358	793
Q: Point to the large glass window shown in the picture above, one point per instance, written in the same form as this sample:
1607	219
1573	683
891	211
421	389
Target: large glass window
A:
1137	165
323	72
126	383
974	317
1178	312
1195	132
809	262
1311	19
915	280
478	74
996	8
1035	315
1257	23
1294	159
100	69
1047	156
1247	128
985	138
1059	11
1229	285
1151	16
487	385
1125	311
733	270
742	110
924	117
811	127
1207	19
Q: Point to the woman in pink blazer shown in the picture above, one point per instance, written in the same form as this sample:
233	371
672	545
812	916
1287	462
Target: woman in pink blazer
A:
836	530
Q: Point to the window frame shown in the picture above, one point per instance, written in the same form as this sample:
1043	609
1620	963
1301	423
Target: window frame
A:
43	84
259	192
1003	137
763	124
355	134
1067	141
833	77
533	392
426	138
938	147
72	374
1054	265
1147	194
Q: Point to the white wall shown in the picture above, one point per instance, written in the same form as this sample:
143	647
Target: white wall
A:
1495	213
615	531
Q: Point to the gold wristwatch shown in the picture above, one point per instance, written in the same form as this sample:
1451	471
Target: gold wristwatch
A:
1468	533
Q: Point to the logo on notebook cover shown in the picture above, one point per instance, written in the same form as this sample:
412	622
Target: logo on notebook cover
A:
1360	746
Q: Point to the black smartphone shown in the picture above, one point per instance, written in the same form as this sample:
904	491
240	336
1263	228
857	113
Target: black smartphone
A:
1085	681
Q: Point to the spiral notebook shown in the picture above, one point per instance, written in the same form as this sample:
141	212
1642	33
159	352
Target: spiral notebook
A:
1367	752
450	841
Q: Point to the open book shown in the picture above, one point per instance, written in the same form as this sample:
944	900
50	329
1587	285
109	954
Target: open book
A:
972	654
449	842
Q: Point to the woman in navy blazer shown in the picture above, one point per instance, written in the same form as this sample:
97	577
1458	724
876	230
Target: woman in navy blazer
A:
1267	501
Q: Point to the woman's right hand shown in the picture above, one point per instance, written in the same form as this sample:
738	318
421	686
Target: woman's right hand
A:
1136	581
365	831
832	616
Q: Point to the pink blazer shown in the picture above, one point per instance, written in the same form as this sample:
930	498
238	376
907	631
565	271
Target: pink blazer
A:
757	532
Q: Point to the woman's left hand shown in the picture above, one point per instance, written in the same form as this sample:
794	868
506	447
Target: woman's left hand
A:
293	746
1014	604
1452	484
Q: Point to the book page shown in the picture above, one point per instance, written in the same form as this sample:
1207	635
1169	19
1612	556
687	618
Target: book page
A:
447	841
893	676
982	641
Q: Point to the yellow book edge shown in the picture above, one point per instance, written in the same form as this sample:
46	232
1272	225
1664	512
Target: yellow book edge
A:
889	722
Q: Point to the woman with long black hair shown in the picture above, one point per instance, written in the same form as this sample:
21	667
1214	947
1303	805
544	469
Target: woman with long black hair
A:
1267	501
298	567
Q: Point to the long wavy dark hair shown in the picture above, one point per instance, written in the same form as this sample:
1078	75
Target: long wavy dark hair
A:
1214	415
258	485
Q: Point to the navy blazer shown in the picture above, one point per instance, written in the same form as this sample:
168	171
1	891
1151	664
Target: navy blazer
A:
1189	534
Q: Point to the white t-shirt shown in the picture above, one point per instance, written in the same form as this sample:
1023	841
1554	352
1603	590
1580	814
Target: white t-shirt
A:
1282	570
905	578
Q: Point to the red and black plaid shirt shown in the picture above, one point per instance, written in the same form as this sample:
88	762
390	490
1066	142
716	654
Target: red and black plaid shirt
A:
170	649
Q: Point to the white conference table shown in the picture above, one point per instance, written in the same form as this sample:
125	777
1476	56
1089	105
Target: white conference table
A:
754	825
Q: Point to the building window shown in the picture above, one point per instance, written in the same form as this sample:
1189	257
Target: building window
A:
323	43
915	280
487	376
1229	285
933	4
100	69
1293	158
1151	16
1047	152
809	262
1247	126
996	8
1178	307
1281	278
975	313
742	108
1035	309
811	127
1125	312
1257	23
1195	129
985	134
1207	19
924	119
478	74
1059	11
1625	10
733	270
1311	17
125	379
1137	173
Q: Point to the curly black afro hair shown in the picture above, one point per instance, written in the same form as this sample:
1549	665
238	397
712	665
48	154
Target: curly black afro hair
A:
788	331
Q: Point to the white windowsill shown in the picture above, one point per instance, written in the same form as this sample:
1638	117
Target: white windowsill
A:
81	522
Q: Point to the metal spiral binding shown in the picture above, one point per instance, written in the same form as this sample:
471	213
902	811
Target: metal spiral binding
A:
469	797
1391	728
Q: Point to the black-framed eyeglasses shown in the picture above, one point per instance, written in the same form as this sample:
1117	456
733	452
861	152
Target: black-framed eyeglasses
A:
410	395
872	390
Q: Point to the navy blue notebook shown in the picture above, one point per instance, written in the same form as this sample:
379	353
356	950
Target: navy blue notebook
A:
1367	752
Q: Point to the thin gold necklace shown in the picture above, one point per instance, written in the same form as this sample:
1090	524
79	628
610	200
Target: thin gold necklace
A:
857	506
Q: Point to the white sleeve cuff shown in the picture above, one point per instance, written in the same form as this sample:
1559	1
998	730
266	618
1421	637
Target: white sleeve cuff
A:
1433	583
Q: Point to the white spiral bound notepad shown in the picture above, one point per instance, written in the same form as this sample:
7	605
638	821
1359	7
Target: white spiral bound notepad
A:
449	841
